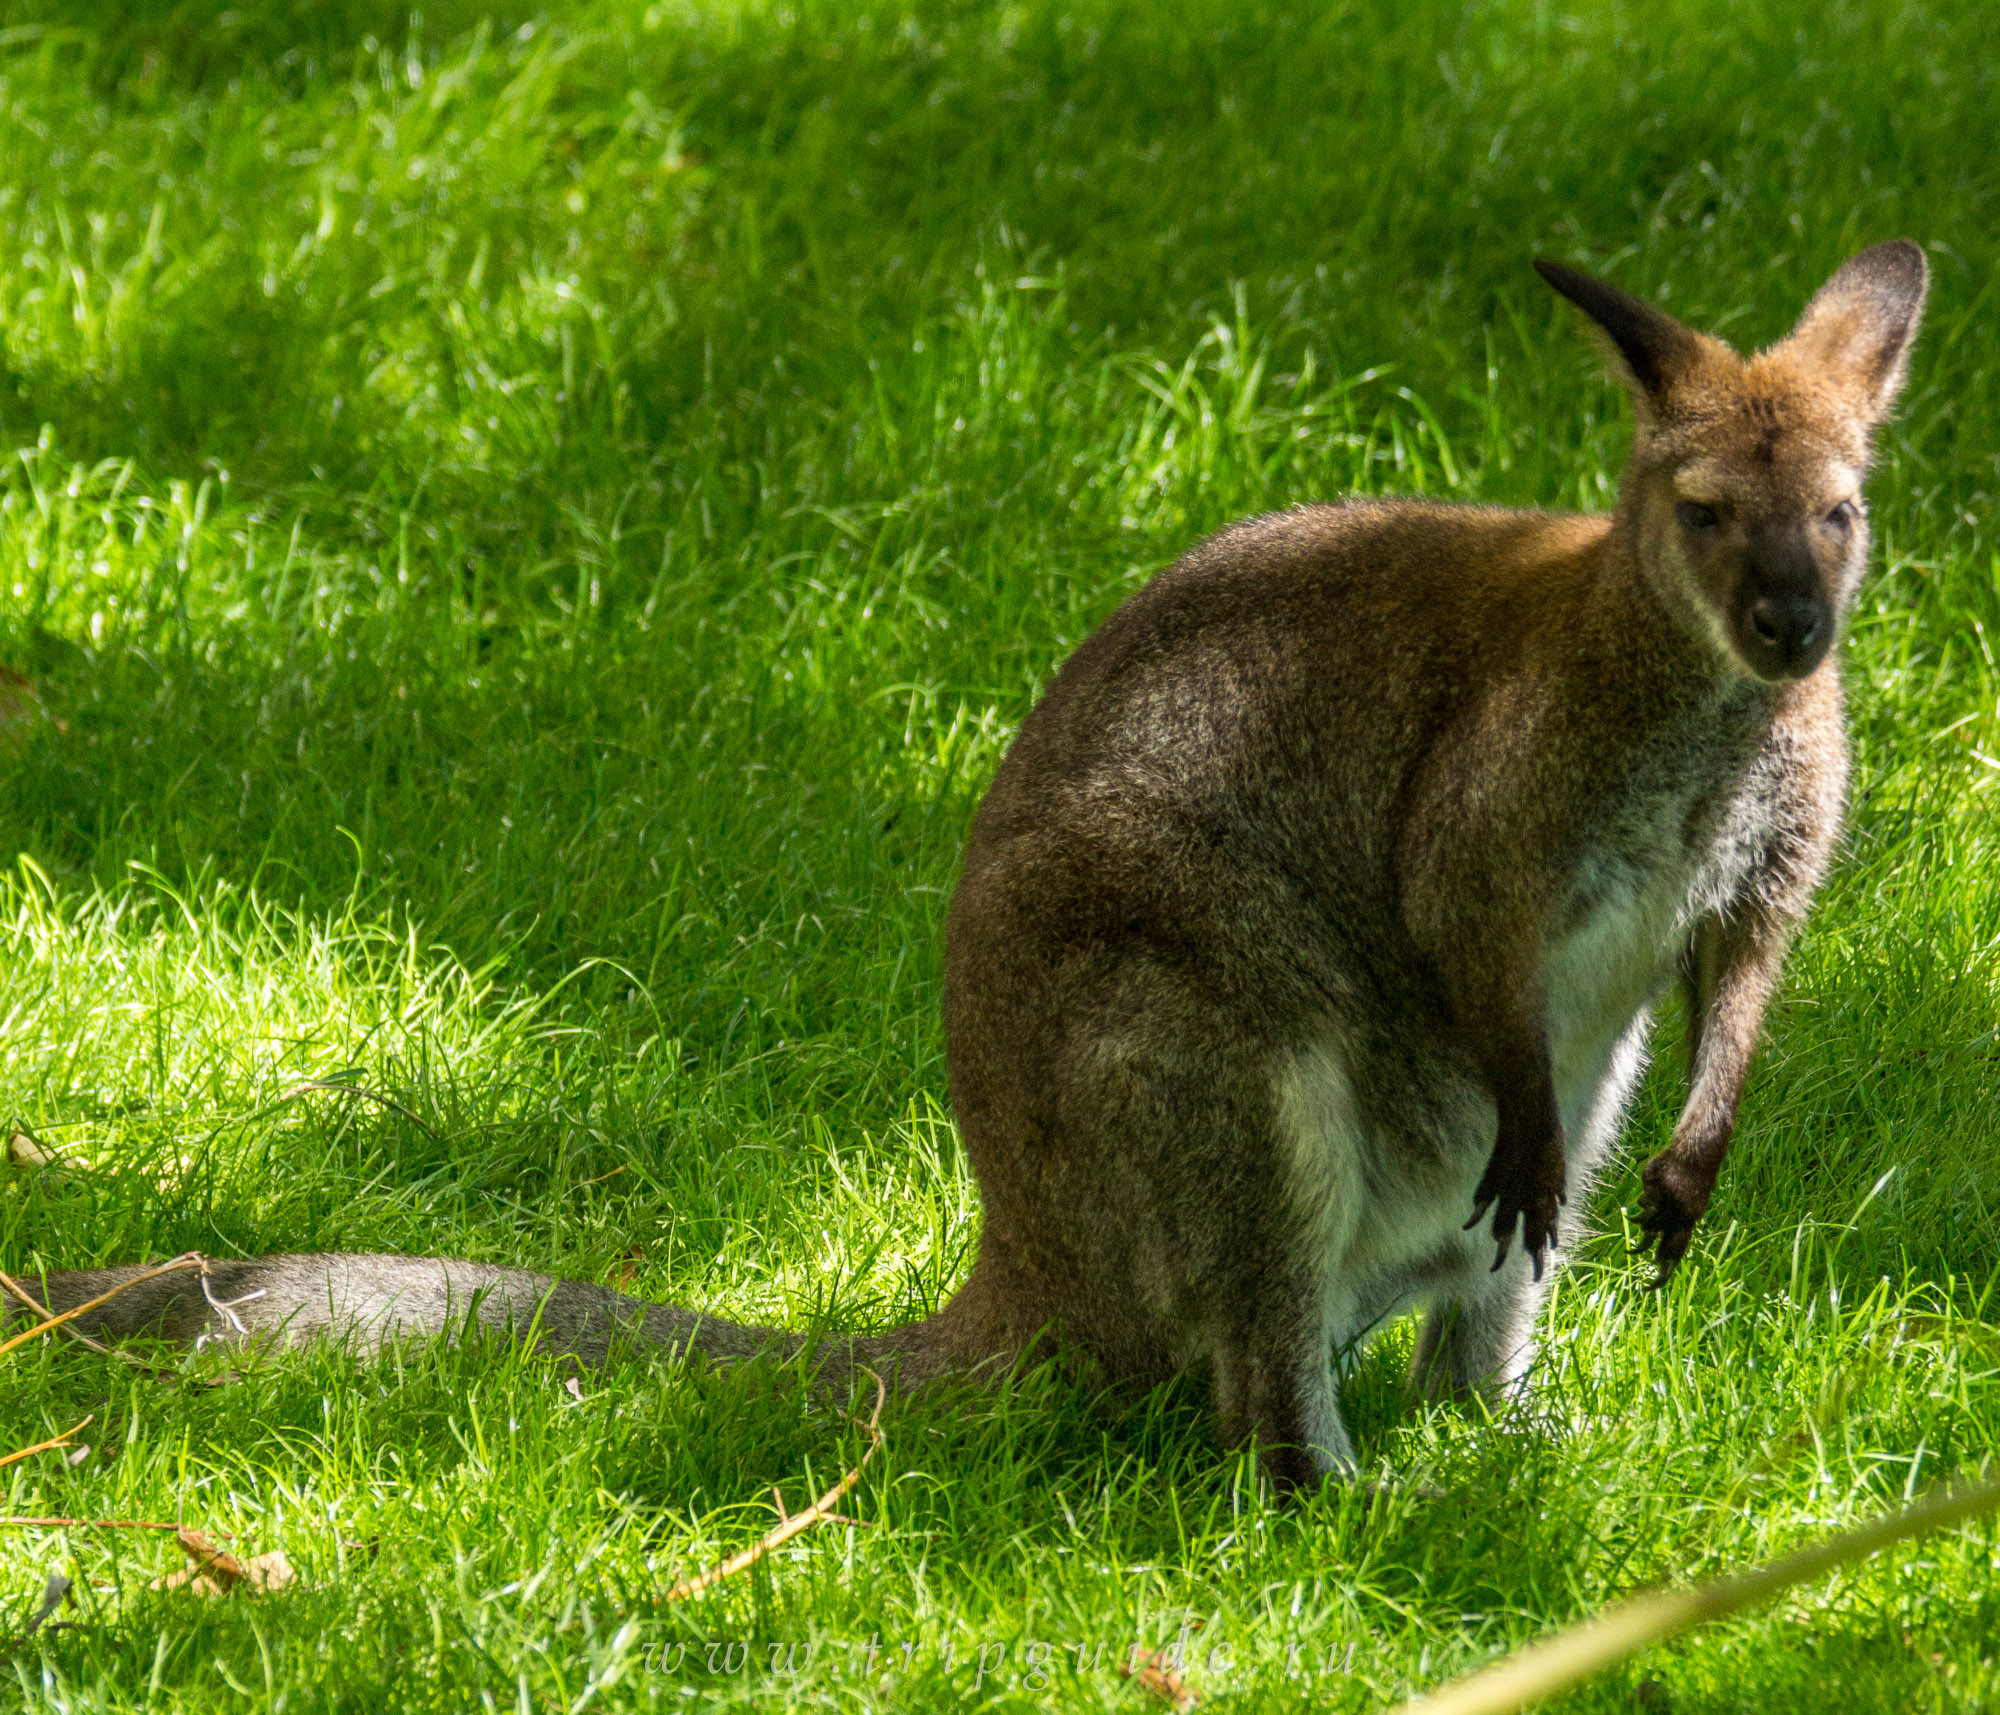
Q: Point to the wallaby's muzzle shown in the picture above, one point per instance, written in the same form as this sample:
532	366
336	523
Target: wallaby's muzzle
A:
1784	612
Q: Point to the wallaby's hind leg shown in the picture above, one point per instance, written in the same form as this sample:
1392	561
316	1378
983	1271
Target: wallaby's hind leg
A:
1274	1379
1480	1343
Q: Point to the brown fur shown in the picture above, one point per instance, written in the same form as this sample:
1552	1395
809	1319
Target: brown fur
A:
1323	900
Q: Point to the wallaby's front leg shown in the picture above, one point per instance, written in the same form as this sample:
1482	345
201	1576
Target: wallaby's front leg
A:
1727	973
1491	987
1525	1178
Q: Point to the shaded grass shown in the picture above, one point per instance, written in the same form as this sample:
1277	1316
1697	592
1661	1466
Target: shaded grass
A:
532	534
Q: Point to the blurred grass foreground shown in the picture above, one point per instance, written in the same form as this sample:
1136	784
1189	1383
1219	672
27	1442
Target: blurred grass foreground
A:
523	536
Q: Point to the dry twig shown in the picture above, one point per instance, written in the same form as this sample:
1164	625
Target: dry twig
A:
790	1525
1154	1674
1556	1663
190	1259
10	1284
98	1523
47	1315
61	1440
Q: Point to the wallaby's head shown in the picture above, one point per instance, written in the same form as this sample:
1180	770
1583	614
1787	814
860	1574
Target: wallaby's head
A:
1744	489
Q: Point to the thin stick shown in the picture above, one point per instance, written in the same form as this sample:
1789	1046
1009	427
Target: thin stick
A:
48	1315
819	1512
152	1371
83	1339
388	1102
1547	1667
189	1259
102	1524
61	1440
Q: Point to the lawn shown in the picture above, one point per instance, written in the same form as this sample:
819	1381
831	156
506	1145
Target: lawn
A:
523	538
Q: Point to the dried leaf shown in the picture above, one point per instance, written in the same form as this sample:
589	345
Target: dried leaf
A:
1153	1674
216	1571
24	1151
217	1563
269	1571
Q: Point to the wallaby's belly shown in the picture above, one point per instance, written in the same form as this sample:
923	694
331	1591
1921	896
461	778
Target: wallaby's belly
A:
1379	1200
1376	1196
1380	1194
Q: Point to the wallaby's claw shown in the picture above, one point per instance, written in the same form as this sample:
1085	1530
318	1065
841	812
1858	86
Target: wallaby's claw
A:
1521	1197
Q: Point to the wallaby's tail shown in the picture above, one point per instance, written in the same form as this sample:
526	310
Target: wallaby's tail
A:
367	1300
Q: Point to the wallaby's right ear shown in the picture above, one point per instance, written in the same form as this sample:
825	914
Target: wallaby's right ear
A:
1861	323
1658	351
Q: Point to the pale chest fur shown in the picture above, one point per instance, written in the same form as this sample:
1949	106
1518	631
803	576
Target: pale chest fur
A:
1680	846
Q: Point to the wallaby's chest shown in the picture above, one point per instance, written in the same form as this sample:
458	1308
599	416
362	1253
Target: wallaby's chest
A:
1680	840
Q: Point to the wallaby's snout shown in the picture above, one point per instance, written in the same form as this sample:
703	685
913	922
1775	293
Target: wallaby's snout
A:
1787	619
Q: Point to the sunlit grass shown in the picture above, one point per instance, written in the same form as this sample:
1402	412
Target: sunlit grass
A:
530	534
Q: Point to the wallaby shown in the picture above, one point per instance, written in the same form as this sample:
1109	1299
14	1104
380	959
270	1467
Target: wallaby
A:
1322	902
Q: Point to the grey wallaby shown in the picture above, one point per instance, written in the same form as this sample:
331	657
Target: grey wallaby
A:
1322	902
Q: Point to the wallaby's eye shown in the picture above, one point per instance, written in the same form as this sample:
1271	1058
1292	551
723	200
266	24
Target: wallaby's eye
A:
1842	516
1695	516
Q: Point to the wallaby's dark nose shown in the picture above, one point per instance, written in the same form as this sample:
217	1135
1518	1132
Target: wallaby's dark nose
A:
1792	631
1785	623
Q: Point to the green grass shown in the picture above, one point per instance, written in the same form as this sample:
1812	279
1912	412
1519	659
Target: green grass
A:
531	533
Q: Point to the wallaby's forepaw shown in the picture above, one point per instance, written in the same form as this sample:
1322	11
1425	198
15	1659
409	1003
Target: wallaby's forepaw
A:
1673	1195
1523	1188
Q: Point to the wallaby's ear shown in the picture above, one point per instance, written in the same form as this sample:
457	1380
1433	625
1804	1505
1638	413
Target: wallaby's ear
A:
1658	351
1861	324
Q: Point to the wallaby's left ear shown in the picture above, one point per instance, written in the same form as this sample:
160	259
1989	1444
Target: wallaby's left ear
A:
1657	353
1861	324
